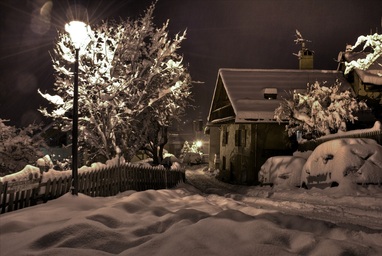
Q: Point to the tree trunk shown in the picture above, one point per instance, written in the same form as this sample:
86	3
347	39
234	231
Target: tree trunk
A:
163	142
156	159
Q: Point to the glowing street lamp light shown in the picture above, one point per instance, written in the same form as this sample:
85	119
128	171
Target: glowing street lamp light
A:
79	35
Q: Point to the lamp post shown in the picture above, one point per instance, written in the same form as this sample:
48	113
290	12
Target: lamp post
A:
79	35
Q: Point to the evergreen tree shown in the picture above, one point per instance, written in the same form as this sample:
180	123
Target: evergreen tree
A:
186	147
131	81
320	111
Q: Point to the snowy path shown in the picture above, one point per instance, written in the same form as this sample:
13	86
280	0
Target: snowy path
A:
363	212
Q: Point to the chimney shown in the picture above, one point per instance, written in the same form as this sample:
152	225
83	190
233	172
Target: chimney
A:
305	58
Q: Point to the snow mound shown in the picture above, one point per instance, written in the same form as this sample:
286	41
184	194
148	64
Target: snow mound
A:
345	161
282	170
45	161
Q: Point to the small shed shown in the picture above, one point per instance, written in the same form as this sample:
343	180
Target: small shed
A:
243	131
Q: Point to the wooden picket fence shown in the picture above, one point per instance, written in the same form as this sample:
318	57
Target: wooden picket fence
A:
103	182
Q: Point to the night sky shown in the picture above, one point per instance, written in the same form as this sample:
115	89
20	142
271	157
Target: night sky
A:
220	34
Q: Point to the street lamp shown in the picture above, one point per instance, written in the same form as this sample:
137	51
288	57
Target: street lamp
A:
199	143
79	35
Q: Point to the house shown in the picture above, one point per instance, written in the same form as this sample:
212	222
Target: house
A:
243	131
367	84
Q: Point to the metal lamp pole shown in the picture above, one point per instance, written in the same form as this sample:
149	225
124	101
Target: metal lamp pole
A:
79	35
75	129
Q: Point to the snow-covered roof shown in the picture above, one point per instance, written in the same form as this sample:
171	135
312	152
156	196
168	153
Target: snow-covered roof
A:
251	91
371	75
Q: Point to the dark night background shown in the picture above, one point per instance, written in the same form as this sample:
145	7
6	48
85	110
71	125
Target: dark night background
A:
220	34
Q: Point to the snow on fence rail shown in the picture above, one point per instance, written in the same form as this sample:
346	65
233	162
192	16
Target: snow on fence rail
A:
107	181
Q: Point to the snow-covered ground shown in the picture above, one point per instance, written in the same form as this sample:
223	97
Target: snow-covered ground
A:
202	217
207	217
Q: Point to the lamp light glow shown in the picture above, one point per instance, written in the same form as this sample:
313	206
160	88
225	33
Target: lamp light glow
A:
79	33
199	143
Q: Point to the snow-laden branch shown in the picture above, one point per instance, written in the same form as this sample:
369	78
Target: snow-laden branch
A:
372	41
321	110
55	99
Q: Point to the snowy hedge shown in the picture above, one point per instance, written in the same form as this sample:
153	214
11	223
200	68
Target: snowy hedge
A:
18	147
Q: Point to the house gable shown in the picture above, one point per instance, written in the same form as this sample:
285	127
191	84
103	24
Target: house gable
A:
221	107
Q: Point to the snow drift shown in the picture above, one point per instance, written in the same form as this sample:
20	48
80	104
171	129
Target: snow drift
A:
180	221
348	160
282	170
342	161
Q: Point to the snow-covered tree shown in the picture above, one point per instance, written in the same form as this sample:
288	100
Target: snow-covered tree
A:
131	80
321	110
185	149
18	147
189	154
374	42
194	148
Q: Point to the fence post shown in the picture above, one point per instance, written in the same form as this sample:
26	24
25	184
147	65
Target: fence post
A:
4	199
165	178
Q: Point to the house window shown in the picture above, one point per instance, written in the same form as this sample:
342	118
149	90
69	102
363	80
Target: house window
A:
270	93
240	138
225	136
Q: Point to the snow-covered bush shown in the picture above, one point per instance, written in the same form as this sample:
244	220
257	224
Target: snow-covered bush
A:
131	80
321	110
18	147
282	171
374	42
45	163
345	161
